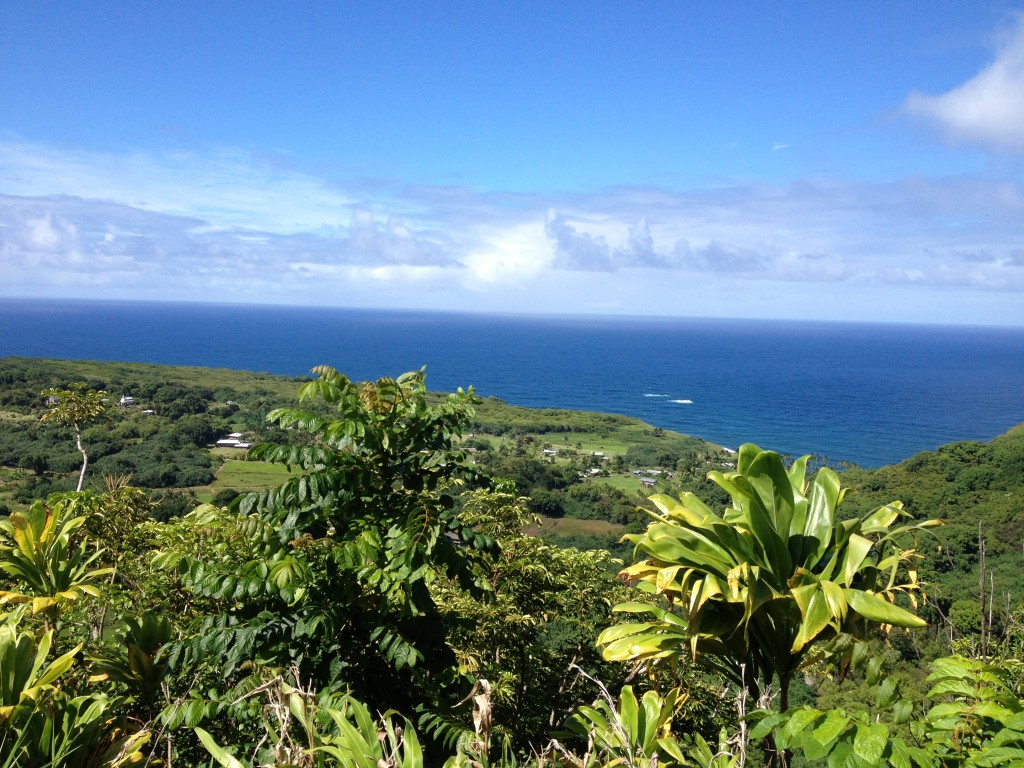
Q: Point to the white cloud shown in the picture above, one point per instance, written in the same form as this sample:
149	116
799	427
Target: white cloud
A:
507	254
46	234
453	247
988	108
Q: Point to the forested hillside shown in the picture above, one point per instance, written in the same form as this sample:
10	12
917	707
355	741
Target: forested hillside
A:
978	489
364	586
576	468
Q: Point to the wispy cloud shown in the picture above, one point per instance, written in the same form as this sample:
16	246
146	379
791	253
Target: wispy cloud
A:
224	187
988	108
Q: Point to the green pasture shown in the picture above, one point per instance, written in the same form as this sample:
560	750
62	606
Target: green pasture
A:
630	483
243	476
570	526
250	475
9	479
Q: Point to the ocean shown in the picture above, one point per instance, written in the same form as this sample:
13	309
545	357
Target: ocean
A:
868	393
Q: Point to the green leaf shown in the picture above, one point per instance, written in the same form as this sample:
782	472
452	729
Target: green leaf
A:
870	742
797	722
835	723
886	693
220	754
875	608
902	711
766	725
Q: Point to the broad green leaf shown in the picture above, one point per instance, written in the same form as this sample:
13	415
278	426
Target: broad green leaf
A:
857	549
902	711
835	723
766	725
820	516
878	609
815	614
797	722
870	741
629	710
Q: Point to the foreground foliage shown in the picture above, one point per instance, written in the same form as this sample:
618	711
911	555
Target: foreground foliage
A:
977	719
382	607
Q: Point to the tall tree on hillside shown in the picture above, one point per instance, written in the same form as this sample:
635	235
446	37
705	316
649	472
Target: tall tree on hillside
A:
75	407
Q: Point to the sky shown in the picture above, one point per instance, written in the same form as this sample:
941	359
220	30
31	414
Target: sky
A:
798	160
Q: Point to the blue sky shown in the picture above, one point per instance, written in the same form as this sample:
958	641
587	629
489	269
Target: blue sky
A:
859	161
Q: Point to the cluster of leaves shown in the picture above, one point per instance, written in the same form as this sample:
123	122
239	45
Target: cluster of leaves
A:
761	587
55	574
537	628
50	568
976	719
41	724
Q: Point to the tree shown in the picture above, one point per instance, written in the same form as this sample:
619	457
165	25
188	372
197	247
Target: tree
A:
75	407
759	591
536	633
331	573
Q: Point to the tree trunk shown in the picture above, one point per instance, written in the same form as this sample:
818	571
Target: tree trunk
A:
775	757
85	458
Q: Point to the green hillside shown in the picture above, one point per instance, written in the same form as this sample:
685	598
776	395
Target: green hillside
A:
165	441
978	489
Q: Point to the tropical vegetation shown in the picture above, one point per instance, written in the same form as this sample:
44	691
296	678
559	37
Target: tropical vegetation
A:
385	601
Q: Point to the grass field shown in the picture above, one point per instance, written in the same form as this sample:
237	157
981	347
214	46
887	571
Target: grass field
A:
570	526
8	478
249	475
629	483
242	476
589	442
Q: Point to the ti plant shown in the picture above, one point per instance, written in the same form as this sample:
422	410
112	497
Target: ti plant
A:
41	725
139	662
759	589
637	733
49	564
628	732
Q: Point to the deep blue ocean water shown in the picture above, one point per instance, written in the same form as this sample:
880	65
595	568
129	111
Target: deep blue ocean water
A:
868	393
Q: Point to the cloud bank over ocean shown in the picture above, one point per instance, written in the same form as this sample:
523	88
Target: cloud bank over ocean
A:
249	231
